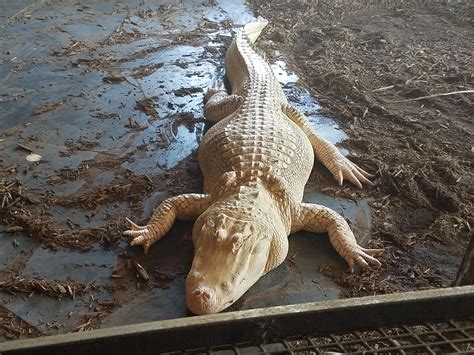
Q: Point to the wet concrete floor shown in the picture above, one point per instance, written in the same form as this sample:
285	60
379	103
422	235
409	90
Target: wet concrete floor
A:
108	90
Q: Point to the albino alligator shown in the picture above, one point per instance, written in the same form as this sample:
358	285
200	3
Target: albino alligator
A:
255	160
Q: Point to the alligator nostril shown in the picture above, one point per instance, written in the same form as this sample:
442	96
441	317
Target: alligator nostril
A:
203	292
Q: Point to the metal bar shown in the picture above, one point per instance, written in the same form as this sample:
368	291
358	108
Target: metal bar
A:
336	343
460	330
259	325
362	340
415	336
391	340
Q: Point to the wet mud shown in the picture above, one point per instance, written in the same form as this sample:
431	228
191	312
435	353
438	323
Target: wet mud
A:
110	95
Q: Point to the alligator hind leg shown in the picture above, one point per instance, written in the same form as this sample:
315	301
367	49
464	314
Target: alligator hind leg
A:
328	154
219	104
320	219
182	207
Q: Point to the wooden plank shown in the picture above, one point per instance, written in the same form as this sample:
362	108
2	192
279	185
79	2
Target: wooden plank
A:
259	325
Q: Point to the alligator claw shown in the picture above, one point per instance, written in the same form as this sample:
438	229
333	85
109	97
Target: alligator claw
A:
363	257
143	241
140	234
342	168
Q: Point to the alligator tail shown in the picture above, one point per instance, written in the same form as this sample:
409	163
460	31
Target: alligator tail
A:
253	29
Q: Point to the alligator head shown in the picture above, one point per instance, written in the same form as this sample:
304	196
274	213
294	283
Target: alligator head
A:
232	251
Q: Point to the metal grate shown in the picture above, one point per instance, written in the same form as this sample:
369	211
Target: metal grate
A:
428	338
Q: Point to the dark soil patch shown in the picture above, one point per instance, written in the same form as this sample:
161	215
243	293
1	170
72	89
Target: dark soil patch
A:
368	64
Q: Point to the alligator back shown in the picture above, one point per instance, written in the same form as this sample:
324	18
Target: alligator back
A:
258	139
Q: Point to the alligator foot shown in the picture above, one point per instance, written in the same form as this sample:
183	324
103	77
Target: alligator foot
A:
142	235
184	207
343	240
358	256
219	104
342	168
320	219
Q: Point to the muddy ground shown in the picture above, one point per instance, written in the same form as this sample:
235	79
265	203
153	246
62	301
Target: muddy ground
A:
110	95
371	65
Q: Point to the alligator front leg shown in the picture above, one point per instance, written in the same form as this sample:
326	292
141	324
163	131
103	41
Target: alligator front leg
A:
219	104
182	207
320	219
328	154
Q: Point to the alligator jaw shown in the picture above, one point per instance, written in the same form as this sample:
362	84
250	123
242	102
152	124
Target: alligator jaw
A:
212	287
202	298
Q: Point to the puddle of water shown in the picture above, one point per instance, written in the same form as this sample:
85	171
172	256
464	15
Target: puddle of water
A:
94	266
182	146
163	148
184	54
281	72
237	11
171	255
166	142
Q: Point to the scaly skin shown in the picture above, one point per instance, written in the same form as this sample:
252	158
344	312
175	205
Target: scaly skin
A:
255	160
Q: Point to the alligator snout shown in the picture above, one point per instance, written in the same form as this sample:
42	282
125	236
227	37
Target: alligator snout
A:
202	300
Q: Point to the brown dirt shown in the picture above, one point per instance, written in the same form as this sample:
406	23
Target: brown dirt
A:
57	289
13	327
147	106
369	64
